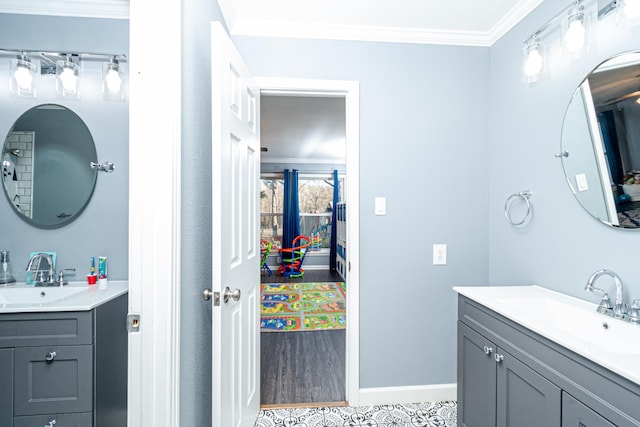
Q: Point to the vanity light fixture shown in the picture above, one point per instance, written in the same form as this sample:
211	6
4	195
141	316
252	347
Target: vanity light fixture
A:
22	75
68	68
533	60
112	87
67	76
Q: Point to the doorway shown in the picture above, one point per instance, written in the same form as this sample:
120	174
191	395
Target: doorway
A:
294	355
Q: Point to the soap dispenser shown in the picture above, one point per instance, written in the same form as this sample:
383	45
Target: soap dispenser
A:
6	272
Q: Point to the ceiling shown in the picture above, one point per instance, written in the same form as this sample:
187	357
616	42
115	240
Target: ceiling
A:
461	22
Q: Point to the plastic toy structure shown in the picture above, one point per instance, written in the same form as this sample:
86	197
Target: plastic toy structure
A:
265	248
292	258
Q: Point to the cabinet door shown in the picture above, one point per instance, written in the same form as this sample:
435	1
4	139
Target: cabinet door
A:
575	414
53	379
6	386
476	379
524	397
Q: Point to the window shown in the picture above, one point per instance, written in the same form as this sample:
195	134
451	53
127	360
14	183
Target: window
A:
315	202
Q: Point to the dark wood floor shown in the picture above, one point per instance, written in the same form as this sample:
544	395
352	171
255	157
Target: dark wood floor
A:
302	367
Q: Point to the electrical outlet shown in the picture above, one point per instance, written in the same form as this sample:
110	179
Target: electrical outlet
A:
439	254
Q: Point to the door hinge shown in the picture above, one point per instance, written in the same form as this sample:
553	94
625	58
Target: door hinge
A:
133	322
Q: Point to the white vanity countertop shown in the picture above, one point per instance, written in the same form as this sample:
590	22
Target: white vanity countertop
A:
76	296
568	321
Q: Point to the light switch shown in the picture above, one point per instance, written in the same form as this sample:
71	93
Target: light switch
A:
380	206
439	254
581	182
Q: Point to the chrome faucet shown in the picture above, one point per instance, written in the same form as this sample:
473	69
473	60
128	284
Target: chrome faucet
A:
37	269
605	305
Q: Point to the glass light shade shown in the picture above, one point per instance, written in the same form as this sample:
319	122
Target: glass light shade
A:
576	32
533	61
22	77
112	81
67	80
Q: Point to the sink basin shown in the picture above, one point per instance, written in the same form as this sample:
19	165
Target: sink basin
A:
36	295
584	325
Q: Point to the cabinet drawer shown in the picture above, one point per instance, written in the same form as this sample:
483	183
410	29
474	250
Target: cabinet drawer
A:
54	379
36	329
55	420
575	414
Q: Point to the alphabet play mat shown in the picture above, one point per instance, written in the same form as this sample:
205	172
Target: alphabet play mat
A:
302	306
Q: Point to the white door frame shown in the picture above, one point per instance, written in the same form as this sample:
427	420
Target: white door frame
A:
351	91
155	102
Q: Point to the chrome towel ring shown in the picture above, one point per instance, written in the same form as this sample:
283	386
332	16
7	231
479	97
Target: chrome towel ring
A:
524	195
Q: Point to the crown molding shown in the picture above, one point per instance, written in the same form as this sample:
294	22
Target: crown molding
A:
113	9
272	28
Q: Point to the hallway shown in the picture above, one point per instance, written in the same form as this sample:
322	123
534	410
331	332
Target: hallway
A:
303	366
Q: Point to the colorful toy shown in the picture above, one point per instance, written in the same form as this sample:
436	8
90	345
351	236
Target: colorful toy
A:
292	258
265	248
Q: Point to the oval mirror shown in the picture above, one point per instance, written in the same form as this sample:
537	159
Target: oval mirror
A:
600	145
46	170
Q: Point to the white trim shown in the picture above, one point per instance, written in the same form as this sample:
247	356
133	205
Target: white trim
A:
154	215
272	28
115	9
351	91
408	394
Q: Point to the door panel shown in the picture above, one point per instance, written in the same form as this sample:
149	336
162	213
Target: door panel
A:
236	262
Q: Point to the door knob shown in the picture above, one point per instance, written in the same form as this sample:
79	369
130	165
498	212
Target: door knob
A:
228	293
207	294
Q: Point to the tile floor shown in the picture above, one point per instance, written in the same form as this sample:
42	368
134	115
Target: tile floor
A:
430	414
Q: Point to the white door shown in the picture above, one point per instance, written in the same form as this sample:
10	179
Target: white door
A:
236	254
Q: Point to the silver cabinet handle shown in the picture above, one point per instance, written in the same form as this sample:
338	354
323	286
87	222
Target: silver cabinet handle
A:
51	423
228	293
49	357
498	357
488	350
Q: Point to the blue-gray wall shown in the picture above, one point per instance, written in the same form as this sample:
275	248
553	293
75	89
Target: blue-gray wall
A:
424	125
563	244
195	321
102	229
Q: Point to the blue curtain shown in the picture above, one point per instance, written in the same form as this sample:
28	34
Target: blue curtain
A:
334	224
611	145
291	214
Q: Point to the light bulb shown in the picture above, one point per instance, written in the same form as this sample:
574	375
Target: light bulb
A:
574	38
533	63
632	9
68	79
113	81
23	77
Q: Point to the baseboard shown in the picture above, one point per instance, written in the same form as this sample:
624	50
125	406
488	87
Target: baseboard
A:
408	394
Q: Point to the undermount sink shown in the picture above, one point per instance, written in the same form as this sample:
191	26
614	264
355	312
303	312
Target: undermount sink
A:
36	295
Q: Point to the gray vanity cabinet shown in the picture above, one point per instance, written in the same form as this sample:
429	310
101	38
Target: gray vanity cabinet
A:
499	390
6	386
509	376
67	369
